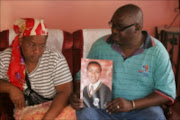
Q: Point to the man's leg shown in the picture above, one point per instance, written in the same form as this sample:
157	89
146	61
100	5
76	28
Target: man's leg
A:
151	113
93	114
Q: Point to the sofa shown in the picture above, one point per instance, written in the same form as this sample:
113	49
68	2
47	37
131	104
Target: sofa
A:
74	46
60	40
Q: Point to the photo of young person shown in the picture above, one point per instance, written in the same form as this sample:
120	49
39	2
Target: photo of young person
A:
96	93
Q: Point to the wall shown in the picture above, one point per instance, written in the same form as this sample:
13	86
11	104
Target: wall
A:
71	15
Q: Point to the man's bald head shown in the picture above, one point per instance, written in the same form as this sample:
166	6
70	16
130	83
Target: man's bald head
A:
129	12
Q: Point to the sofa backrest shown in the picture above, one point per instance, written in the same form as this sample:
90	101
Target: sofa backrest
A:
57	39
82	42
4	39
73	46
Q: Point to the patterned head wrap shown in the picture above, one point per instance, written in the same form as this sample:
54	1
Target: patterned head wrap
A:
22	27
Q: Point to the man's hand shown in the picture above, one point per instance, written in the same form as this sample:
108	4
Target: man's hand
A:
119	105
75	102
17	97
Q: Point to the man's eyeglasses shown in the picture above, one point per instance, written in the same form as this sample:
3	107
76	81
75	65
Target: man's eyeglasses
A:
120	28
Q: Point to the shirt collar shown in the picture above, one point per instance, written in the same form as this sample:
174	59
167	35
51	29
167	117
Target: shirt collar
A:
94	85
148	41
147	44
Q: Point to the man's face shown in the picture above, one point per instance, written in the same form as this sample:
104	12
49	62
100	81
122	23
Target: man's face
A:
33	47
93	73
123	29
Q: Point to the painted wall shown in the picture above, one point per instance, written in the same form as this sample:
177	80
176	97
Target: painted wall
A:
71	15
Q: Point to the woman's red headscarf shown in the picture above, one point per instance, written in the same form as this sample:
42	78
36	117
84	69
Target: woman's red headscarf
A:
22	27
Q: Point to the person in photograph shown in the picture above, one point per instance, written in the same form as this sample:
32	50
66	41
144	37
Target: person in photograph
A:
96	94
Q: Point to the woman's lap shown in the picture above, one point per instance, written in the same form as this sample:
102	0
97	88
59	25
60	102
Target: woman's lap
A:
38	111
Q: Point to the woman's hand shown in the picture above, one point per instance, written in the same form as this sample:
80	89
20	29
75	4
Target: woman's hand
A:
17	97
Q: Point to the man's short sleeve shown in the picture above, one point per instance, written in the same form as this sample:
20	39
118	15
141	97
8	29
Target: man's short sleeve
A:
164	76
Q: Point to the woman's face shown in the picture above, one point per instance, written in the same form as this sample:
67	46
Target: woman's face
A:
93	73
33	47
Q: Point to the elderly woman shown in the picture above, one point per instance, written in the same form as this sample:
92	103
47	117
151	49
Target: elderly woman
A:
33	75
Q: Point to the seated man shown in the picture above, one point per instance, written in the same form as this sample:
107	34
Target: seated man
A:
96	94
28	63
142	75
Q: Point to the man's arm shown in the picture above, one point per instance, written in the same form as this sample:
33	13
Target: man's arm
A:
15	94
153	99
60	101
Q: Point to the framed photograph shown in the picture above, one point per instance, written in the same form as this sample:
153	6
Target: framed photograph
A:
96	82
